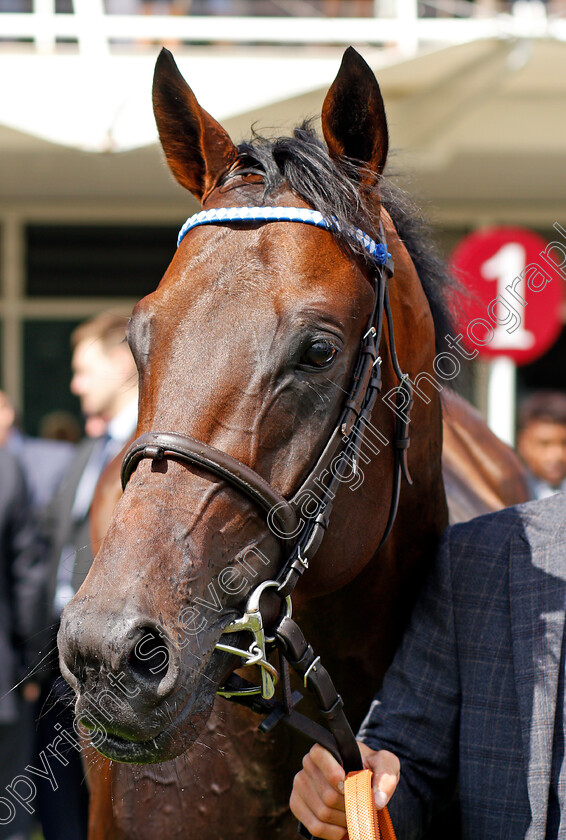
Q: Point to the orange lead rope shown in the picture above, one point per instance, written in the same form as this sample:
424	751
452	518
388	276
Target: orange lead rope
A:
363	819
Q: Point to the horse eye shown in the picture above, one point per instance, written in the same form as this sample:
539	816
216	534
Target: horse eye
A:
320	354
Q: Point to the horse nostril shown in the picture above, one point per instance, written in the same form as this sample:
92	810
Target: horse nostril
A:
128	654
74	673
149	658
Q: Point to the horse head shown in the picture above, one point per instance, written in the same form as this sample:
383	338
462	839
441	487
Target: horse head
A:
248	354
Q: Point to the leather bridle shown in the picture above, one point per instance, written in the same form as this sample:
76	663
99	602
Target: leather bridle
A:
300	536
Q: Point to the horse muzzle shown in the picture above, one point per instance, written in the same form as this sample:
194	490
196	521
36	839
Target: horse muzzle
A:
124	670
140	697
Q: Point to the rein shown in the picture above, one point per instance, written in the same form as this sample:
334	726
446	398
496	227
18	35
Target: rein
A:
300	536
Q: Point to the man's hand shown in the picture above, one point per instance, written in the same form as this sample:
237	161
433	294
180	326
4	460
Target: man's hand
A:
317	799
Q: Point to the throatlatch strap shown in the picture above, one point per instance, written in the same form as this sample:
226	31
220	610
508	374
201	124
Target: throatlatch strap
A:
363	820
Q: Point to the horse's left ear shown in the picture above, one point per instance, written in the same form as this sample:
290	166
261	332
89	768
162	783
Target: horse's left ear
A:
353	115
197	148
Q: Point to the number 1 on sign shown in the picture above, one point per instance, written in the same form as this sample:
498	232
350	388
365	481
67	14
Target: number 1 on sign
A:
505	267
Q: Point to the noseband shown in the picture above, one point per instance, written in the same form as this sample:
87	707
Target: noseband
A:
300	536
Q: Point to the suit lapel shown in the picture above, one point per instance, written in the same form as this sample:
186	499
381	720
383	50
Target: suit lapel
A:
61	511
537	581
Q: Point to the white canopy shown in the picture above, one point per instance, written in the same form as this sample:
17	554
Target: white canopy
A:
479	121
103	104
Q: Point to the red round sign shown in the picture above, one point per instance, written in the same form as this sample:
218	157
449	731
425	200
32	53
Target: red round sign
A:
514	291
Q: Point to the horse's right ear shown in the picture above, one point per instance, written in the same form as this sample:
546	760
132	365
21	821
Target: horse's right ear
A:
197	148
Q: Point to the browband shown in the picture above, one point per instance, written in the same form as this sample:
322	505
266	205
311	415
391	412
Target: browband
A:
305	215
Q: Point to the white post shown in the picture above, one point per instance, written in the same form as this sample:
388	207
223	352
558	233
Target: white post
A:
407	21
501	389
45	42
384	8
90	16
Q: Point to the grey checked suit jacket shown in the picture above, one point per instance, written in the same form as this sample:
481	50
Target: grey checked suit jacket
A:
471	695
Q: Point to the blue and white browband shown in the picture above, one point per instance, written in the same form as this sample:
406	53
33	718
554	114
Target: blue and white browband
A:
305	215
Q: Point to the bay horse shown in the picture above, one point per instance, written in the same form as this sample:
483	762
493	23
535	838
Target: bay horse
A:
302	297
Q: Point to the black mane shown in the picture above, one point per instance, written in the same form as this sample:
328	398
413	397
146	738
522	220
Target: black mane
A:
302	161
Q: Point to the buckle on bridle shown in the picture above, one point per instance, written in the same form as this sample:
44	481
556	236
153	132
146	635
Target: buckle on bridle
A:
256	654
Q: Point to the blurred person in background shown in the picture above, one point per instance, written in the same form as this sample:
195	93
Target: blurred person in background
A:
348	8
18	614
147	7
105	380
541	441
60	425
44	462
